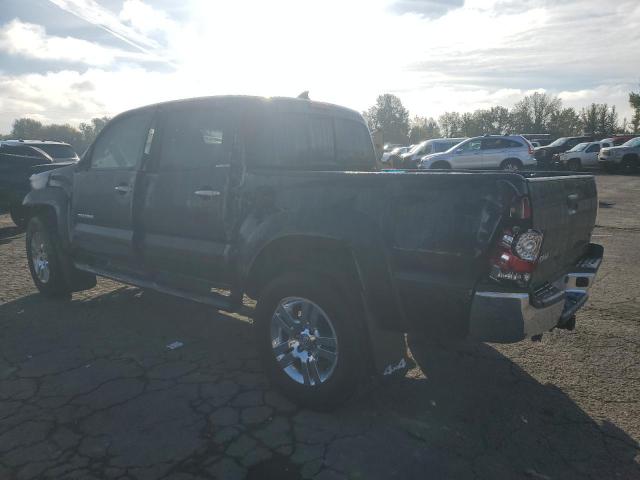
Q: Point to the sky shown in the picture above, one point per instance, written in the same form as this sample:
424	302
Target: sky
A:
67	61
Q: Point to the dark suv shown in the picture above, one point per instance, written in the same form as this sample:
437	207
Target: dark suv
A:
280	200
58	151
545	155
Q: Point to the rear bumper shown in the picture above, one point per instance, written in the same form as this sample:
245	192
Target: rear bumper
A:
503	317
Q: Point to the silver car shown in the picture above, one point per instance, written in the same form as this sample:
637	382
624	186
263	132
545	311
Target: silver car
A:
506	152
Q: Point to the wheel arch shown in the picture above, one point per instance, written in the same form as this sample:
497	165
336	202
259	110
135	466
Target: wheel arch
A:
53	204
295	252
511	159
443	163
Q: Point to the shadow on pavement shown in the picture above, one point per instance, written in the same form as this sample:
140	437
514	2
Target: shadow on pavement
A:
88	389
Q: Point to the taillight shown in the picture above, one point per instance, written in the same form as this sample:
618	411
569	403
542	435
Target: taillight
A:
531	149
516	255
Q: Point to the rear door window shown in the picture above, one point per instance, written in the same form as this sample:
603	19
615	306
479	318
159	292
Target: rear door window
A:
195	137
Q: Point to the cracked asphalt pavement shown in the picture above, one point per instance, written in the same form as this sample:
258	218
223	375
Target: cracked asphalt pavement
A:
88	389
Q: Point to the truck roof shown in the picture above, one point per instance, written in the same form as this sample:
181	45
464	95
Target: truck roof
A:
278	103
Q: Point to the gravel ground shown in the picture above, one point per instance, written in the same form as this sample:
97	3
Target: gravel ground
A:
88	389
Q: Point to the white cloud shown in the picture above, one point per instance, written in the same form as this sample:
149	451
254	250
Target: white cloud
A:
145	18
490	52
92	12
31	41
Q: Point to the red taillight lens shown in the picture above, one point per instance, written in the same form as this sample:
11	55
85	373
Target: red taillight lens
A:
531	149
516	256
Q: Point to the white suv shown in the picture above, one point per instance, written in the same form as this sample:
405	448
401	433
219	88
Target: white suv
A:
506	152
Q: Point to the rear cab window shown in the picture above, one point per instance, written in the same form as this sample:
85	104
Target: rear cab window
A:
307	141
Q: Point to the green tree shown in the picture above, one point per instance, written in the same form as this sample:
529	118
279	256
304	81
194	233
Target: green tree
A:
423	128
450	124
533	113
389	116
564	123
26	128
599	119
91	130
634	101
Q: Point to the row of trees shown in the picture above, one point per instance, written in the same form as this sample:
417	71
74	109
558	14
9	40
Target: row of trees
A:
79	138
536	113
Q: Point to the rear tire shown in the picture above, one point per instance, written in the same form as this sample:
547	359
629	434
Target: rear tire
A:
510	165
44	257
18	215
629	165
294	312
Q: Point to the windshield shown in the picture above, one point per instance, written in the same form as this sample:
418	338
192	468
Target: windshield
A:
579	147
634	142
417	148
558	142
58	151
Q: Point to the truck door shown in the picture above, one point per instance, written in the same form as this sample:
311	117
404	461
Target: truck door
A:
103	190
591	155
183	205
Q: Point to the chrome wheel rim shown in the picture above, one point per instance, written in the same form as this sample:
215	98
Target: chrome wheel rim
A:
39	258
303	341
511	167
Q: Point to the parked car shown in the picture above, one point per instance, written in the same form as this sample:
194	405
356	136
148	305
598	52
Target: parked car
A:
544	155
412	158
17	163
583	155
280	199
388	157
58	151
510	152
625	157
616	140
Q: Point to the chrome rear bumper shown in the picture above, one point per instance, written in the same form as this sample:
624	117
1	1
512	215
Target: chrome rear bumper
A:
503	317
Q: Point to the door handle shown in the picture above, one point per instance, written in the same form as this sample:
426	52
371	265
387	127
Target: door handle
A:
207	193
122	189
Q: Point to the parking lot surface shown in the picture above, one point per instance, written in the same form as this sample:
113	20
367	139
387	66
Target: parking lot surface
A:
89	389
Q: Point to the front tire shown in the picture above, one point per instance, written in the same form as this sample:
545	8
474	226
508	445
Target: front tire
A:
441	166
574	165
308	340
43	255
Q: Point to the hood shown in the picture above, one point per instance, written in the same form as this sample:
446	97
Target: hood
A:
44	175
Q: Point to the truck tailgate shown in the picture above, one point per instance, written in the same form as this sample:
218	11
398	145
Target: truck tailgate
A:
564	209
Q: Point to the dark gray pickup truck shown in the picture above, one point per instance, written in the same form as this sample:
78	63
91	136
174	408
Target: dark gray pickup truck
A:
280	200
